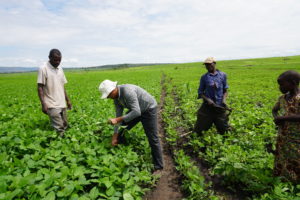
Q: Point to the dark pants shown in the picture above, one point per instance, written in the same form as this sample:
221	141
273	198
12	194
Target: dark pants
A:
208	115
149	122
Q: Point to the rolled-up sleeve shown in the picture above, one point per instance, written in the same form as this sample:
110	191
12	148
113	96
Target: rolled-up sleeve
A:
133	105
201	87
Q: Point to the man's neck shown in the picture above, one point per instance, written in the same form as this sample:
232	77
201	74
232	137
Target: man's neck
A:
294	92
213	72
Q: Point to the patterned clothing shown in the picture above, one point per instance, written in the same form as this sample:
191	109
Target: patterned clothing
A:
287	156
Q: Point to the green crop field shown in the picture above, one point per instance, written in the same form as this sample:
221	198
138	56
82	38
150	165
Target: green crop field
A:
37	164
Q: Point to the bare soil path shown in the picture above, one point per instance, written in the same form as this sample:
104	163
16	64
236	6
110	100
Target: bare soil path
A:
168	186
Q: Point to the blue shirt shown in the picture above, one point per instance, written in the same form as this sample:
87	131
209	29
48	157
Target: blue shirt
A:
213	86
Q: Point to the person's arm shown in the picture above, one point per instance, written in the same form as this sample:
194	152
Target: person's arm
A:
119	111
290	118
276	109
225	89
67	100
119	118
40	89
133	106
41	83
201	88
278	120
201	92
208	100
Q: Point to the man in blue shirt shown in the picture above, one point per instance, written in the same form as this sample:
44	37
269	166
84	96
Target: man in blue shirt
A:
213	90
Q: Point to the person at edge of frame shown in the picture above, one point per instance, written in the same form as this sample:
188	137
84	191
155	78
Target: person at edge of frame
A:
52	93
286	113
142	108
213	90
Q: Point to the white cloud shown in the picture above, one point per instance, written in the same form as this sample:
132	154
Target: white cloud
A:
95	32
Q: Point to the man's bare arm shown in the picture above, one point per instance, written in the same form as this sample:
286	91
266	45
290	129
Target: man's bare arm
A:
40	89
67	100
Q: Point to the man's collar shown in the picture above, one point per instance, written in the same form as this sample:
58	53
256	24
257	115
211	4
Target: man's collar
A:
51	66
213	74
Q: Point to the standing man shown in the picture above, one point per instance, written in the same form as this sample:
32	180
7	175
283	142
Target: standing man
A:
213	90
52	93
142	107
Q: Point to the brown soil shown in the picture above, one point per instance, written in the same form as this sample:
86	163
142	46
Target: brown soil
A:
168	186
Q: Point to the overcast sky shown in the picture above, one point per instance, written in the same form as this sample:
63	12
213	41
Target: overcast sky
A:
98	32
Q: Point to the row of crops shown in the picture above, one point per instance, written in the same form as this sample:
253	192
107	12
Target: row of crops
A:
37	164
240	158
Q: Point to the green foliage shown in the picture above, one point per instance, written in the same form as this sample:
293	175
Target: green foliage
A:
240	156
37	164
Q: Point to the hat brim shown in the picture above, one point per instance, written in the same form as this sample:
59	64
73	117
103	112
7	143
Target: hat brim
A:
208	63
104	96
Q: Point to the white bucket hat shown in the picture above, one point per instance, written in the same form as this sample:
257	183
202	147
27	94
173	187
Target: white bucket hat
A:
106	87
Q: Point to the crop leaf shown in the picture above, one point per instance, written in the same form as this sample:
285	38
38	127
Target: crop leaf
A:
50	196
127	196
94	193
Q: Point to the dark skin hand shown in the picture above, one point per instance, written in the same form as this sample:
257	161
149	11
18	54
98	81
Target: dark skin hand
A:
208	100
211	102
68	100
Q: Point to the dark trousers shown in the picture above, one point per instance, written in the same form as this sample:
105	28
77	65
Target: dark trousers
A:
208	115
149	122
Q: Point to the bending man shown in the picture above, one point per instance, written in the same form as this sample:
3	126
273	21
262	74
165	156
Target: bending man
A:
142	108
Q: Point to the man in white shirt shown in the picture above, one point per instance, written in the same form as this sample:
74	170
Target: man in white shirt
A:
52	93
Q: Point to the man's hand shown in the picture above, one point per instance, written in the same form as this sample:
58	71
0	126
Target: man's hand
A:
113	121
45	108
114	140
69	105
208	100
